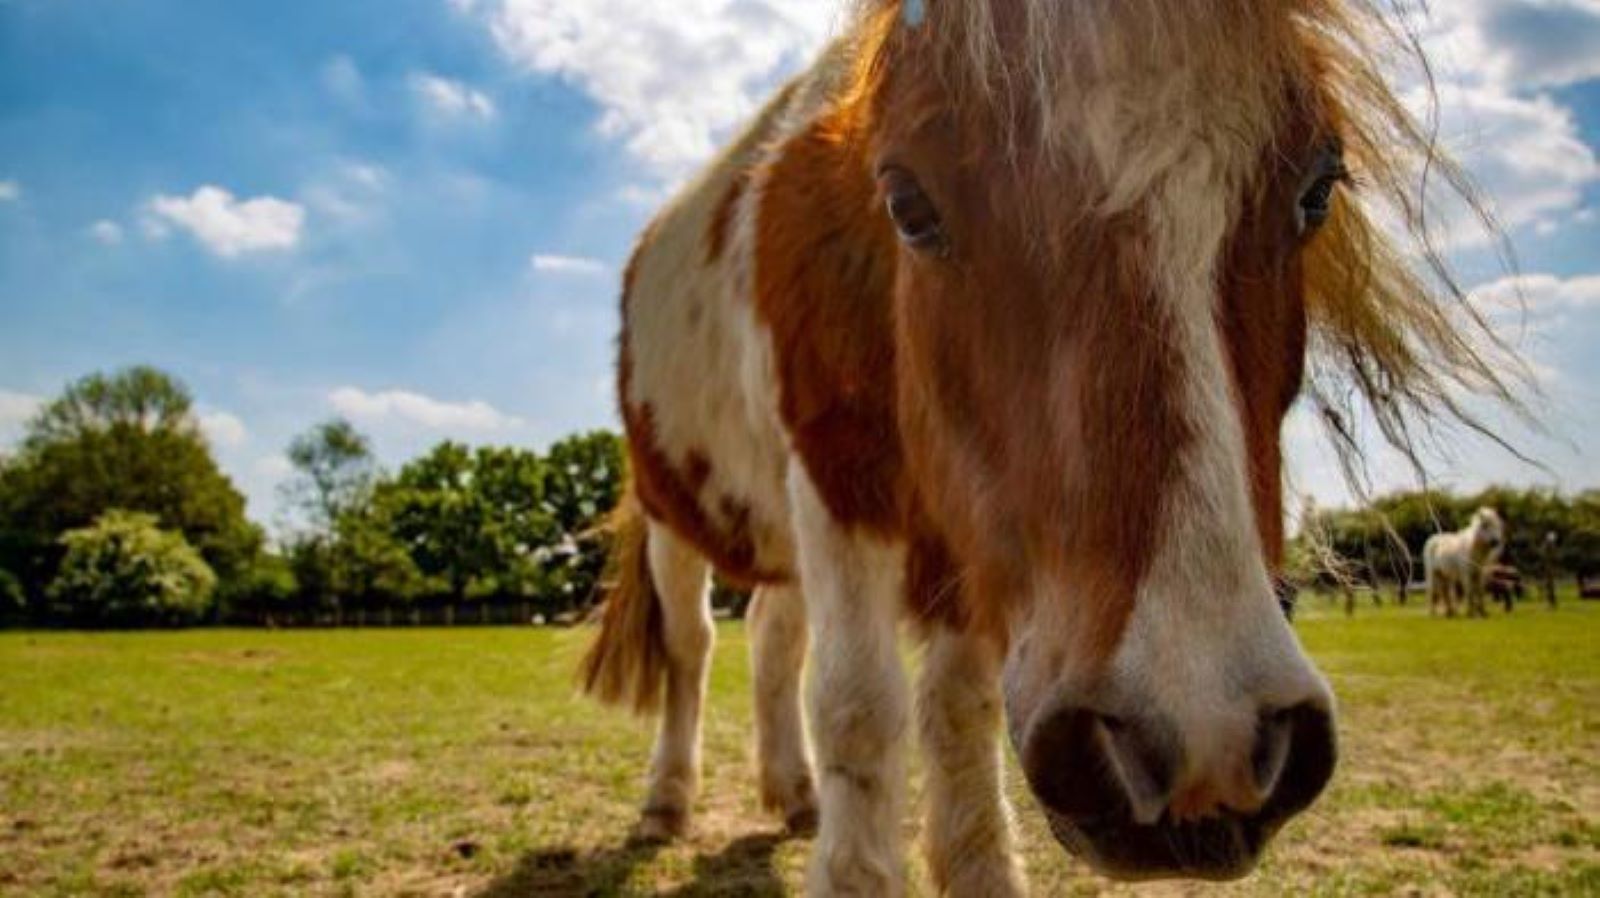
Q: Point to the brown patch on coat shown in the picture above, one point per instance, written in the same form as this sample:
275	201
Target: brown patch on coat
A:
1264	332
823	275
671	493
1263	323
669	490
933	583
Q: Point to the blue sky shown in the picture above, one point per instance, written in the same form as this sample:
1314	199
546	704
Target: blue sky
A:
412	212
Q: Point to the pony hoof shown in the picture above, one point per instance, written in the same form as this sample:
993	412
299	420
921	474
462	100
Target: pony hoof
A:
796	799
802	822
658	826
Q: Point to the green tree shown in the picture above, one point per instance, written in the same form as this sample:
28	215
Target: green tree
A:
130	441
472	520
265	589
125	571
335	473
340	555
584	477
369	565
1579	550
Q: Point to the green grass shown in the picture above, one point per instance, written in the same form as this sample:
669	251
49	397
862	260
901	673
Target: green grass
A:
441	762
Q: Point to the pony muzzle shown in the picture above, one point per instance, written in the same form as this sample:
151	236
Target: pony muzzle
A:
1118	791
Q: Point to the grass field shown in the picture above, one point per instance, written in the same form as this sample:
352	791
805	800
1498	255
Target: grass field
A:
456	762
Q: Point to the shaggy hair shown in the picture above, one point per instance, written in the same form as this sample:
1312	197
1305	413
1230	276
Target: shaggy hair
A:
1392	332
627	662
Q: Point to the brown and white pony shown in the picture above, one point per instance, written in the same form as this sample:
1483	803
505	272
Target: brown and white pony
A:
1458	564
990	320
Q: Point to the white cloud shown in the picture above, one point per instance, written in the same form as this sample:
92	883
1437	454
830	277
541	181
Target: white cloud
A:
16	410
1522	44
402	406
224	430
10	191
1543	293
452	98
231	227
1495	63
1527	153
671	79
557	264
106	231
1563	318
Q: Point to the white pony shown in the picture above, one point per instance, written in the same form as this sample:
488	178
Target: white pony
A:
1456	563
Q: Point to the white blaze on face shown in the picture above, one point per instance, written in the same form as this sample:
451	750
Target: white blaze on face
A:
1206	641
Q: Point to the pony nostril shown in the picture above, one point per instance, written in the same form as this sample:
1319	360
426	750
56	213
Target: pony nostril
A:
1270	756
1086	766
1140	766
1310	754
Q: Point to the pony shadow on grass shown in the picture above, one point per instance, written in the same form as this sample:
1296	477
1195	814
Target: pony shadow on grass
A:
743	868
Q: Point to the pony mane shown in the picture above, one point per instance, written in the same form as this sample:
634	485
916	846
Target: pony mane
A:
1393	336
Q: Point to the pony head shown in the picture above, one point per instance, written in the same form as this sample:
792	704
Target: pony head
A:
1488	530
1127	246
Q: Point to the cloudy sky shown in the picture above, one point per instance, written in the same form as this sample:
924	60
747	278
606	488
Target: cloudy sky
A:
412	212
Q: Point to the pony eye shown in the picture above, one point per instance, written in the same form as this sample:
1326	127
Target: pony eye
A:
1316	199
913	213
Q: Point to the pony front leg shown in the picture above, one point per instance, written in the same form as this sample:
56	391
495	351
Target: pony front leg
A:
1477	606
970	850
682	581
777	624
1445	600
858	698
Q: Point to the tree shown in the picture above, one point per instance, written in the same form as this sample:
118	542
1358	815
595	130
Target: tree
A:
130	441
125	571
473	520
139	398
339	556
335	471
369	565
267	587
584	477
1580	549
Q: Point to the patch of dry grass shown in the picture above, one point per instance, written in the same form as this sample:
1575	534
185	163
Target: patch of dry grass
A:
458	762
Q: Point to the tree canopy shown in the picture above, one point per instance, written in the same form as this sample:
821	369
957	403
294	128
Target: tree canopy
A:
472	519
335	471
127	440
